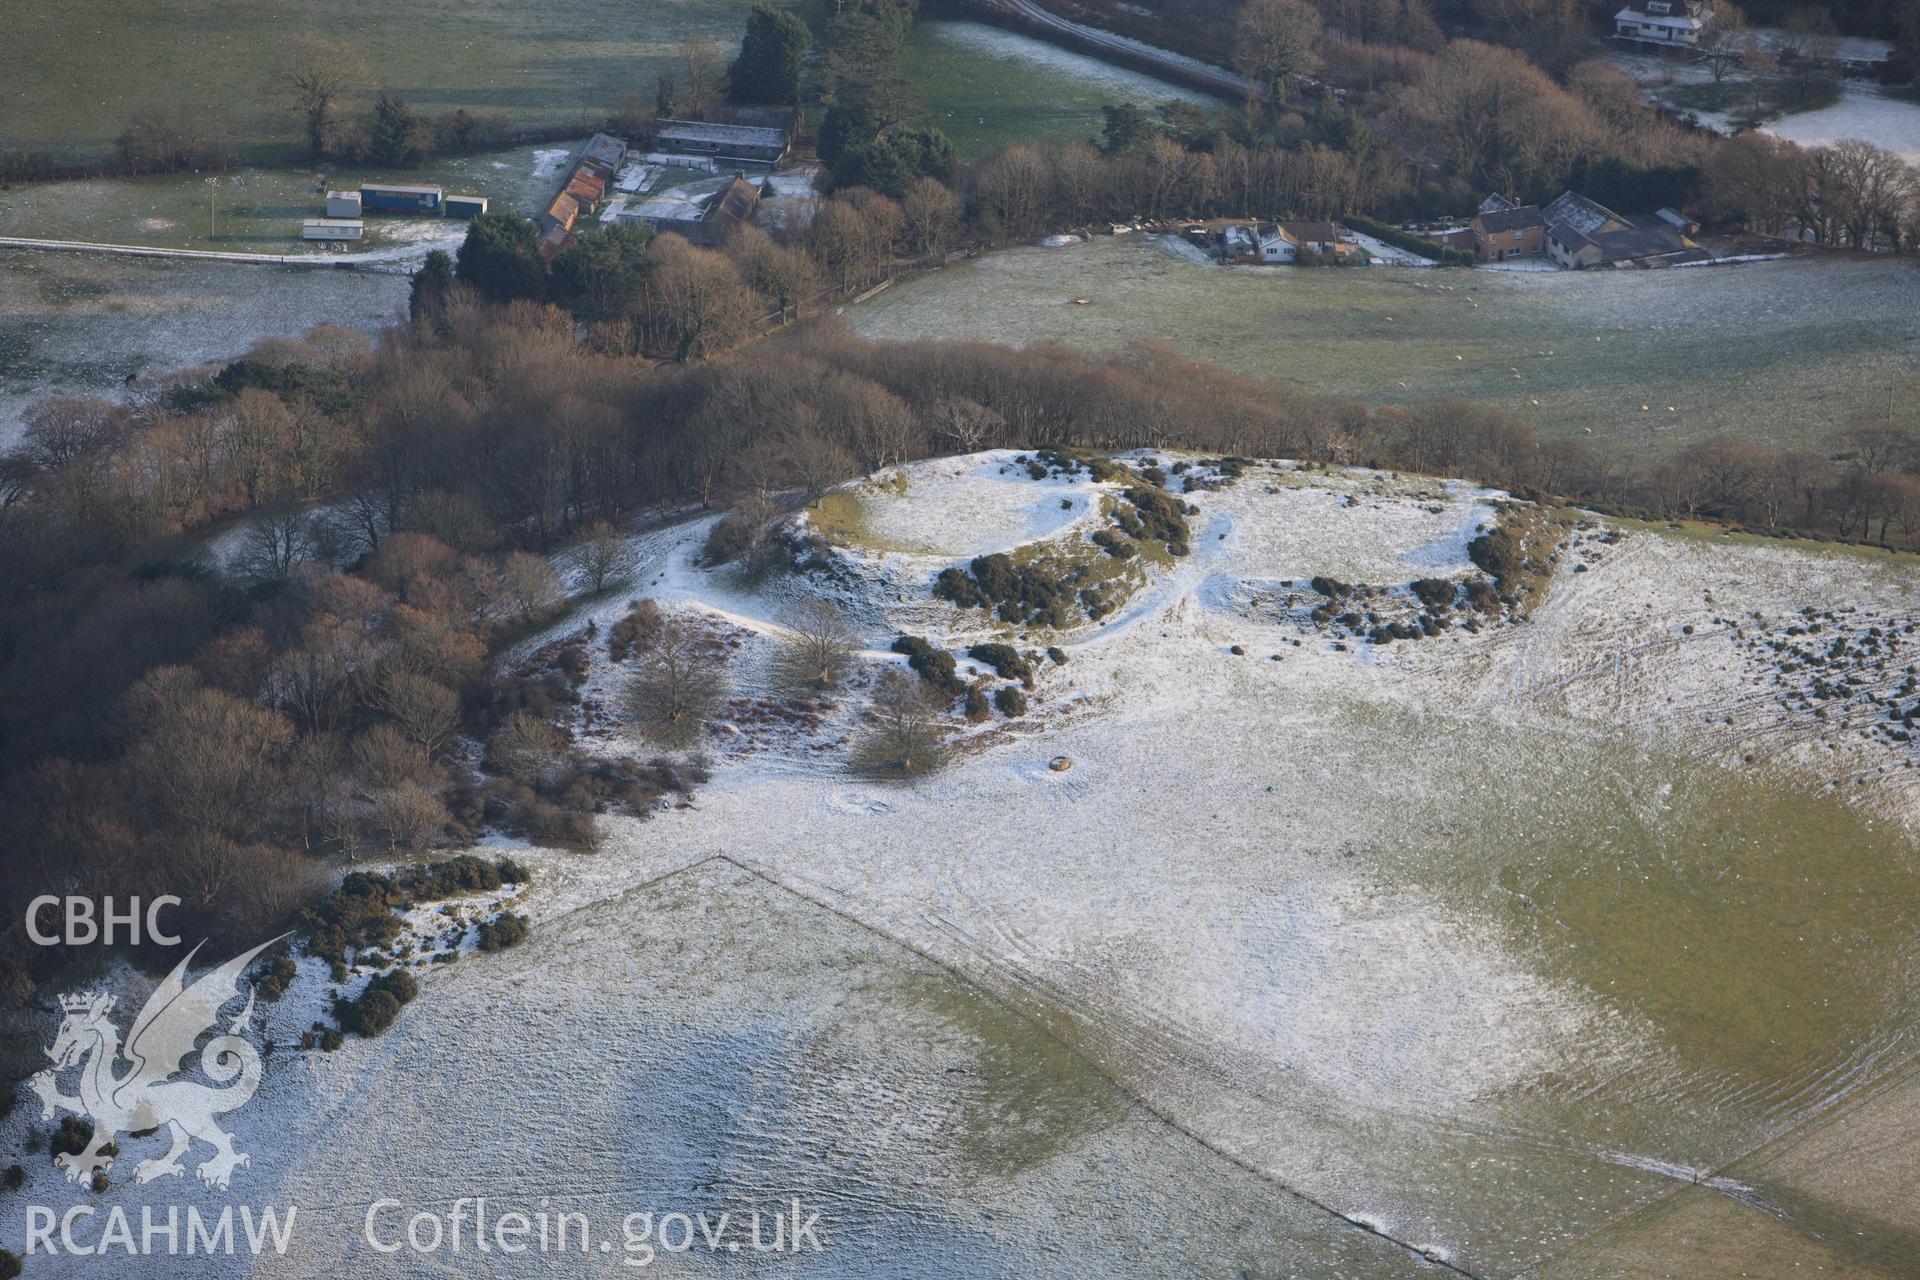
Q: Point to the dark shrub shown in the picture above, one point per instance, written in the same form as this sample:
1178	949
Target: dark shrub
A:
731	537
957	585
1005	660
503	931
977	707
1482	597
1162	518
72	1137
1020	595
361	912
1498	552
1010	700
280	974
377	1006
1056	655
642	621
935	666
1435	593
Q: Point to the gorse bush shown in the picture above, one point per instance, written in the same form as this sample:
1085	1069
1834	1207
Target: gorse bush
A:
1005	660
1160	517
376	1007
933	665
504	930
1016	593
1499	553
361	913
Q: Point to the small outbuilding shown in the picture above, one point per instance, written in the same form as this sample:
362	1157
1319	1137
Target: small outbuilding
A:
466	206
346	229
343	204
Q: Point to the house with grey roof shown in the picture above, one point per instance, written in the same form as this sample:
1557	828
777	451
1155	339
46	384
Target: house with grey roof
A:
1585	233
1503	231
1666	24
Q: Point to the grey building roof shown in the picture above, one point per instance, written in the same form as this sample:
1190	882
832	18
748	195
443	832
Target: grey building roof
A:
604	149
1579	223
1576	215
1526	218
726	135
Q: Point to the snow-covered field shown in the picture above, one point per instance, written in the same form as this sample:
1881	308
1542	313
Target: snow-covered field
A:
1321	956
1864	112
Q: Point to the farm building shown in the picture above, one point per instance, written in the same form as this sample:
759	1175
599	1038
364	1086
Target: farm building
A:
1585	233
581	191
587	188
719	214
331	229
466	206
737	143
343	204
553	240
602	155
383	198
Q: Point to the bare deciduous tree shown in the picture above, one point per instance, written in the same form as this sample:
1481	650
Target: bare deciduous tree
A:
426	712
968	423
904	736
678	683
275	545
1724	43
528	585
602	555
930	212
314	75
1274	40
526	748
819	650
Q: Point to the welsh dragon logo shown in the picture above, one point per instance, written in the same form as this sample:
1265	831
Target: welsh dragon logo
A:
147	1096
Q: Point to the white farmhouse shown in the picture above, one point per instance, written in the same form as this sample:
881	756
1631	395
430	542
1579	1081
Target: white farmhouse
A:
1275	245
1670	24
